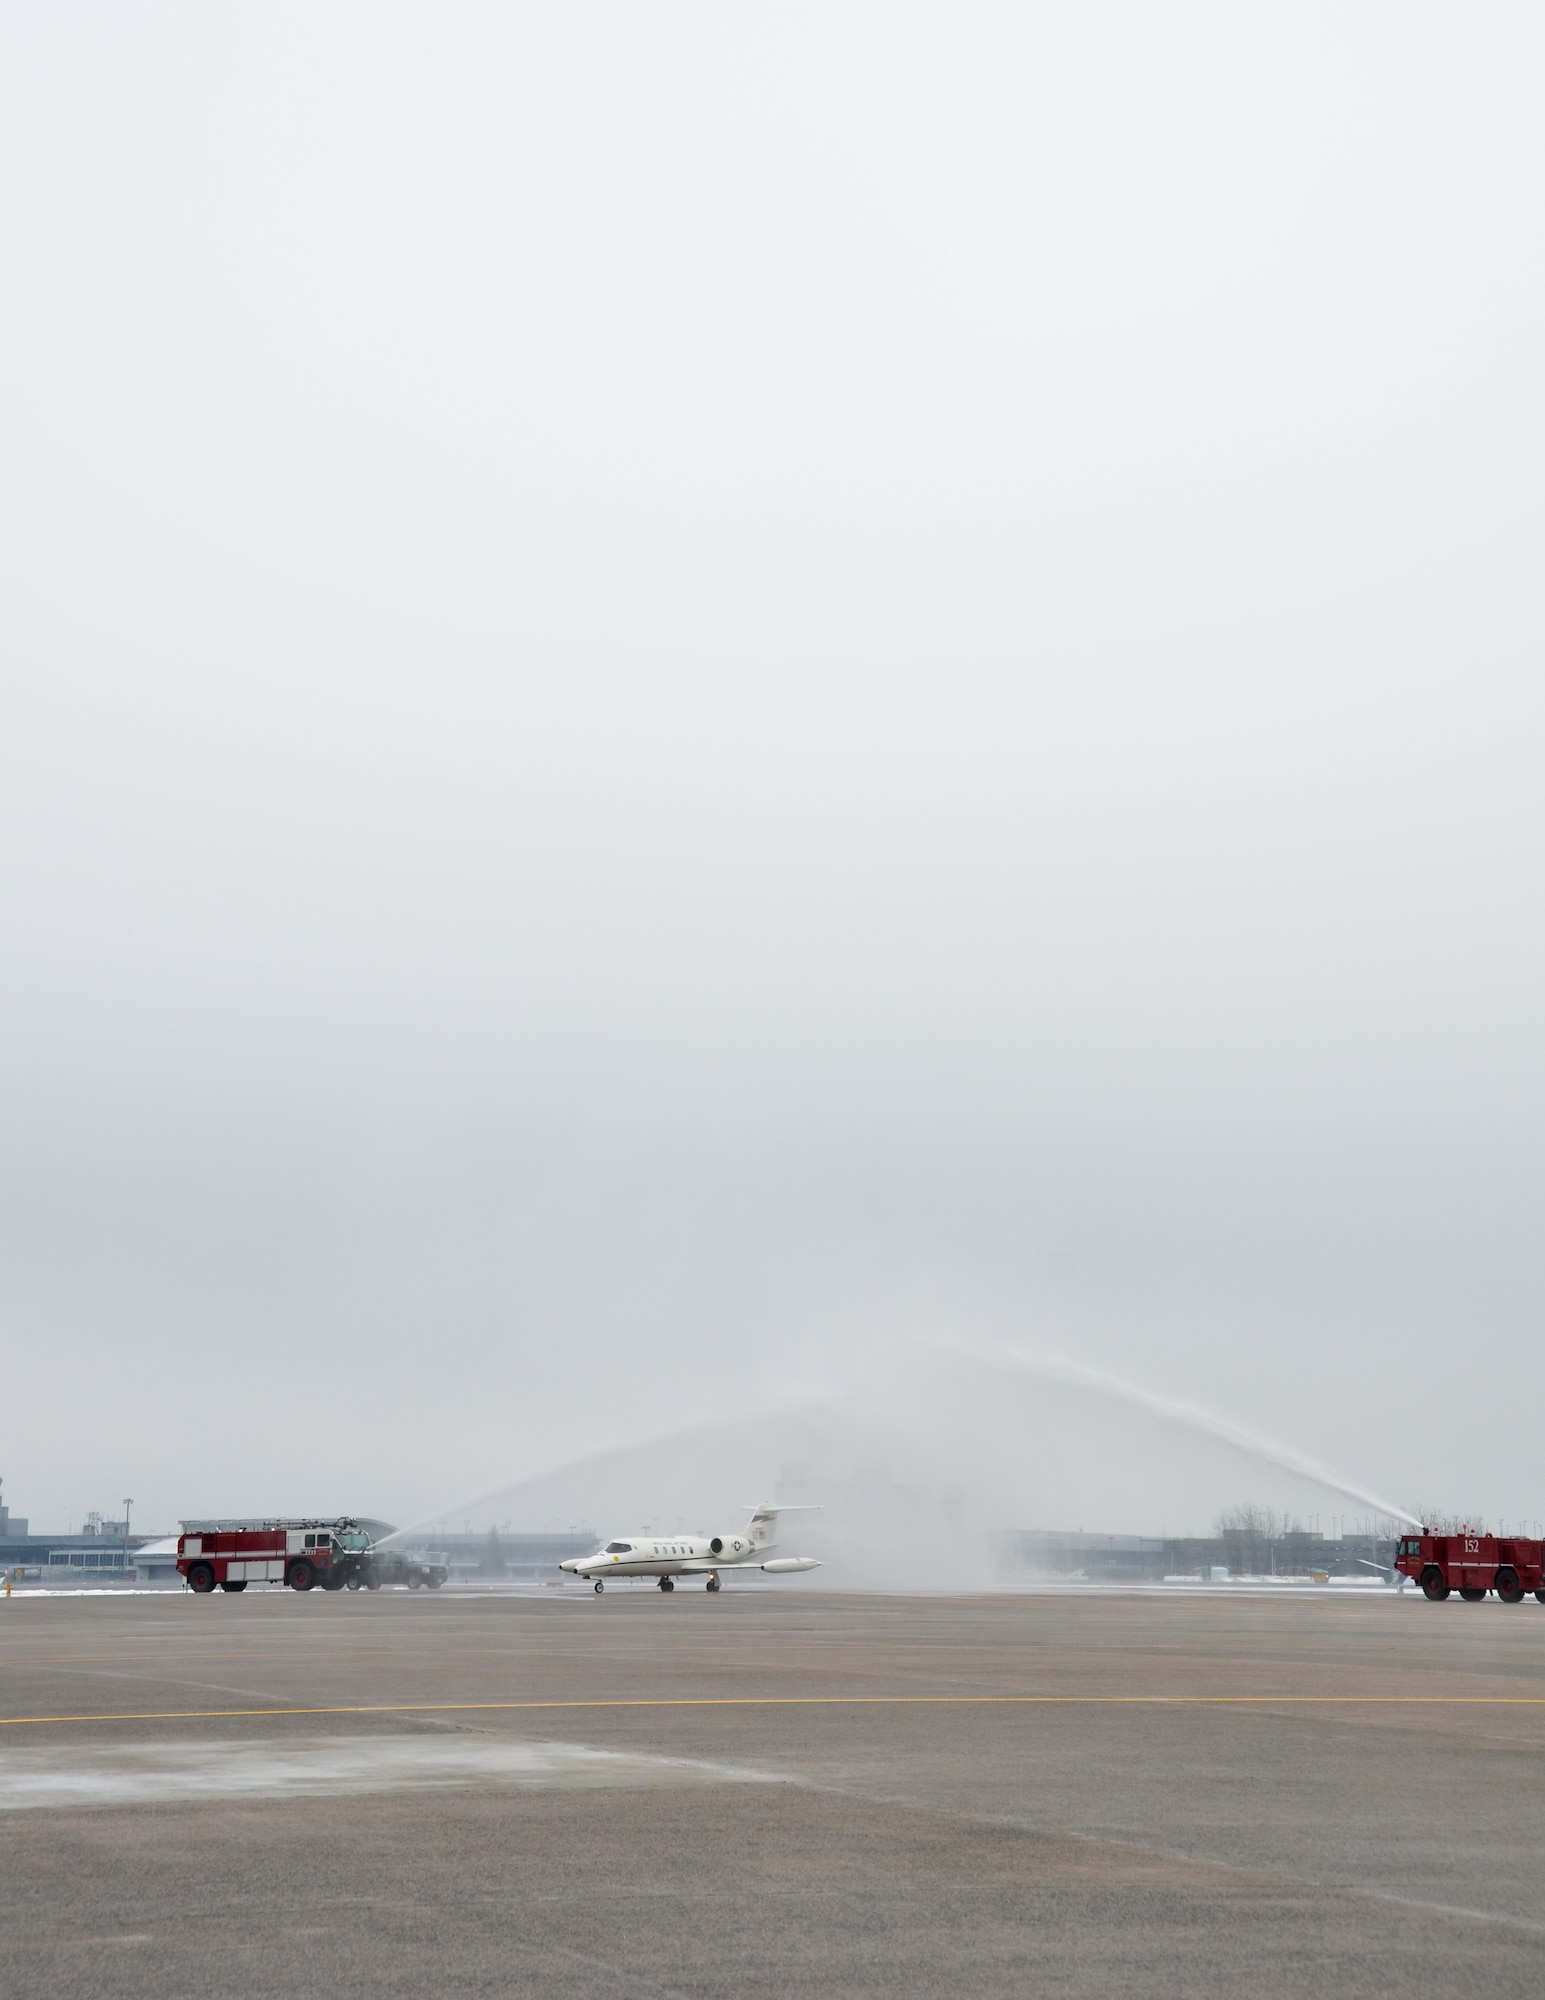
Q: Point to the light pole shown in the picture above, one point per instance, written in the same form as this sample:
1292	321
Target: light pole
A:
126	1506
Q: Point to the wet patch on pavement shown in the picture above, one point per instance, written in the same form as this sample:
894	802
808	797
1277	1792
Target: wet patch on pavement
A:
141	1774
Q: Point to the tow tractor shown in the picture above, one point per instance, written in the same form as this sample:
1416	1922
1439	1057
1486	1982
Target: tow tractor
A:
419	1569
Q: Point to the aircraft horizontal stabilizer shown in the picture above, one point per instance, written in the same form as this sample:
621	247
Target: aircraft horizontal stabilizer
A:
787	1565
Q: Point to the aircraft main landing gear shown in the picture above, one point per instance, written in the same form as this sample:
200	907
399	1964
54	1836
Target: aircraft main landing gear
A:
713	1583
667	1583
599	1586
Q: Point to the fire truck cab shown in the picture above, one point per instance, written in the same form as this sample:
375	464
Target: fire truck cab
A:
1473	1565
303	1553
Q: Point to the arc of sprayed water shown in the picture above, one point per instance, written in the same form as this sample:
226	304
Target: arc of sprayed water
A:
1056	1368
401	1537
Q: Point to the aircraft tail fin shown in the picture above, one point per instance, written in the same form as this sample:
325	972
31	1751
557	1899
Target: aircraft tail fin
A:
763	1530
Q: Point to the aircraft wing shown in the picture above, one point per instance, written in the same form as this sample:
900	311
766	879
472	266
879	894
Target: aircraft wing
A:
778	1566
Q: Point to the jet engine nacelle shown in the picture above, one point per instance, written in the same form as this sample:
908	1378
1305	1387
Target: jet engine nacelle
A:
730	1545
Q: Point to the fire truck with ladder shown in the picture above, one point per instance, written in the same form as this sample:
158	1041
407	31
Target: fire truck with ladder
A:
232	1554
1473	1564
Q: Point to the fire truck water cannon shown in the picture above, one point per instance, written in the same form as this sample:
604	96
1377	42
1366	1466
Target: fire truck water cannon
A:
1473	1565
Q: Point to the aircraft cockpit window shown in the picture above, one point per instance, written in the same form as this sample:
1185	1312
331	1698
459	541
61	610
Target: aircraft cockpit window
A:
619	1548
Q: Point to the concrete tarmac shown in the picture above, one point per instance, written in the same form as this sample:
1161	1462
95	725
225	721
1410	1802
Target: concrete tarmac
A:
770	1792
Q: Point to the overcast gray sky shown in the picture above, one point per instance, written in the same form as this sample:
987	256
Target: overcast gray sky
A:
690	695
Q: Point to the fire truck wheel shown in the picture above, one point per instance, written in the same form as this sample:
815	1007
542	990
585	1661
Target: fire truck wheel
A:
356	1582
1508	1588
1433	1585
233	1586
1540	1594
201	1578
1472	1593
302	1575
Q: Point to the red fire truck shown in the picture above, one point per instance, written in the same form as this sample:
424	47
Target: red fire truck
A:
1472	1565
233	1554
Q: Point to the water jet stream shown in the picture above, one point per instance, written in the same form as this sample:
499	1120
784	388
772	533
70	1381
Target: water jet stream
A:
1054	1368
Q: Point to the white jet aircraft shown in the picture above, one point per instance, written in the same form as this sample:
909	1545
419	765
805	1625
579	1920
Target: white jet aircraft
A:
670	1556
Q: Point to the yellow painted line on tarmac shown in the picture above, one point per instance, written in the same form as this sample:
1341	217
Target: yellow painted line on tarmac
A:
818	1701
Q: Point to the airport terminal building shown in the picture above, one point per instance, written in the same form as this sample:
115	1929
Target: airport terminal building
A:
103	1551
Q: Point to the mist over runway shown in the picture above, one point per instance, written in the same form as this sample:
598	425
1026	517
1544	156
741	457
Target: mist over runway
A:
912	1468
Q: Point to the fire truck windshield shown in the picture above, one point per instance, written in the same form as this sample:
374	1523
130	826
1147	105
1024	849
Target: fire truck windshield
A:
353	1539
